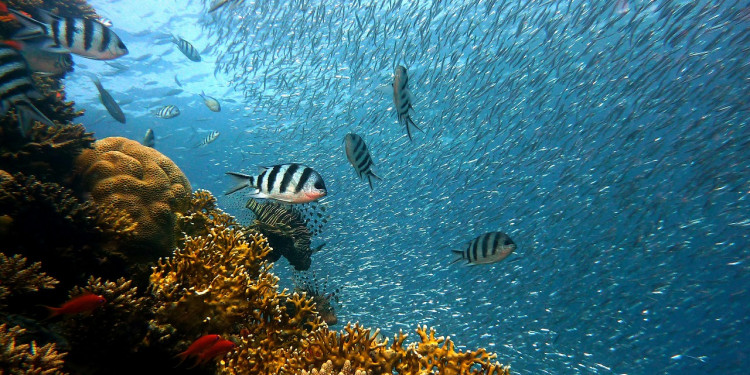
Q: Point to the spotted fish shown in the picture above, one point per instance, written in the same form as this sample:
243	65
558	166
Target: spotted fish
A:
81	36
359	157
403	99
291	183
488	248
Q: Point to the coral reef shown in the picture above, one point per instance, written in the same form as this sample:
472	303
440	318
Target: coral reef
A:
327	369
17	278
311	286
140	181
286	231
27	358
46	223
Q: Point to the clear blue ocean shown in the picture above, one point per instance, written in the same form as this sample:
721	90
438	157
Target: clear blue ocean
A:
609	139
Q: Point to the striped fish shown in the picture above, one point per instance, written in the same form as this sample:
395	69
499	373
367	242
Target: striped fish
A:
167	112
81	36
209	138
488	248
359	157
186	48
402	99
16	87
149	139
291	183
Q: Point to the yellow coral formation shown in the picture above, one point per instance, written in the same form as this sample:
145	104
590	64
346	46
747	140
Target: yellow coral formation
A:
17	277
327	369
27	358
141	181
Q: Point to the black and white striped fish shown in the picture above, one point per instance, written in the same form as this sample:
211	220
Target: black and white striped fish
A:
209	138
167	112
488	248
291	183
16	87
81	36
403	99
359	157
186	48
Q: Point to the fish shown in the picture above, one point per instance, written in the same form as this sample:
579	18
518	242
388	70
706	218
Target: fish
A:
209	138
359	157
177	81
186	48
216	4
83	303
622	6
109	102
104	21
173	92
291	183
219	349
403	99
167	111
198	346
488	248
210	102
17	87
81	36
149	139
45	62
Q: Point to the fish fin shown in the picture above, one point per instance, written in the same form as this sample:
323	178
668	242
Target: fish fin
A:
27	113
408	122
369	178
385	88
411	96
459	253
31	28
47	17
48	45
242	181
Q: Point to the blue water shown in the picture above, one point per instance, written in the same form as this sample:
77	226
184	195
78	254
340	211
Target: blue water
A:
614	152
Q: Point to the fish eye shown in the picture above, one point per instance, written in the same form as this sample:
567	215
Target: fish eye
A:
121	44
319	185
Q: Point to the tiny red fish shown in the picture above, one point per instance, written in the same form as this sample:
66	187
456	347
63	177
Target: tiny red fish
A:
198	346
83	303
217	350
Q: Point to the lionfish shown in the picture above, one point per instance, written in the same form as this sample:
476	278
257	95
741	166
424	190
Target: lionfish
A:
289	229
321	296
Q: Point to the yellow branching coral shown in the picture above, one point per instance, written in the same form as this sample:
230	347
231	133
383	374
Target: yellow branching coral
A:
327	369
18	277
200	215
27	358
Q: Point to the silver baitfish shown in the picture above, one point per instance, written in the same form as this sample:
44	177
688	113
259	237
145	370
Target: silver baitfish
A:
186	48
167	112
403	99
108	101
291	183
81	36
149	139
210	102
488	248
16	88
209	138
359	157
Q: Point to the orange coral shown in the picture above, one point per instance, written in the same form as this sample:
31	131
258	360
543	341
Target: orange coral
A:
142	182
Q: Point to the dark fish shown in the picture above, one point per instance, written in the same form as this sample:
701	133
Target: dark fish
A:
81	36
45	62
16	87
177	81
291	183
167	112
488	248
403	99
149	139
108	101
359	157
187	49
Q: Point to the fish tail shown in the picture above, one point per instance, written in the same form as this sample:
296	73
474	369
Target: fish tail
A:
408	121
31	28
369	178
459	255
28	113
242	181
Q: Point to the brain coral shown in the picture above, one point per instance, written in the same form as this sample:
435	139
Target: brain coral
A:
141	181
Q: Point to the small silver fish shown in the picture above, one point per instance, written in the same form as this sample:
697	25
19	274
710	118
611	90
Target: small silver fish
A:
488	248
149	139
210	102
